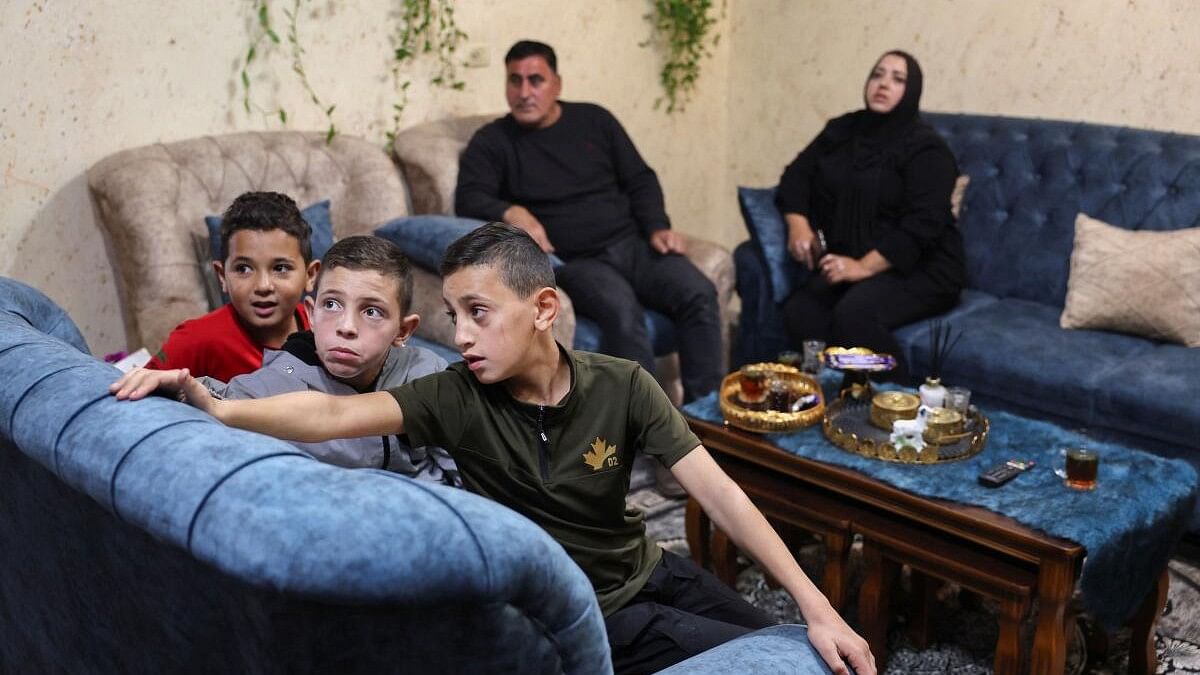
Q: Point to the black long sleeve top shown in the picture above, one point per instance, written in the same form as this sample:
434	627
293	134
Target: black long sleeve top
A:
581	177
912	226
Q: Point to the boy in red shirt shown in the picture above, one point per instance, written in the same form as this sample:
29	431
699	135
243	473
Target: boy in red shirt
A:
266	267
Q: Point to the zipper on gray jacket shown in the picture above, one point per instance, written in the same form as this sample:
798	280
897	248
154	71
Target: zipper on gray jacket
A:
543	444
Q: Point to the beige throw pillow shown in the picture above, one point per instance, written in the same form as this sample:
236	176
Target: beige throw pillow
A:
1145	283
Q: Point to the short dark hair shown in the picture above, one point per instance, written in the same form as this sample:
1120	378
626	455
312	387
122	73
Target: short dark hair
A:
527	48
265	211
524	267
365	252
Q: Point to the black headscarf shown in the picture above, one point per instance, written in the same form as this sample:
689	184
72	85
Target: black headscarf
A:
879	141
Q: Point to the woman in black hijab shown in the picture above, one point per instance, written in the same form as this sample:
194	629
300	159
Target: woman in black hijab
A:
867	206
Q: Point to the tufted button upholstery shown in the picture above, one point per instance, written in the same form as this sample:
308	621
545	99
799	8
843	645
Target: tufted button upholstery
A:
152	201
1030	177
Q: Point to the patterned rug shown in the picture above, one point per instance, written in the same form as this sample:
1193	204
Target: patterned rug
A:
964	633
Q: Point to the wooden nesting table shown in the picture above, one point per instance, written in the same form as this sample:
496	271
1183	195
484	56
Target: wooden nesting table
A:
977	548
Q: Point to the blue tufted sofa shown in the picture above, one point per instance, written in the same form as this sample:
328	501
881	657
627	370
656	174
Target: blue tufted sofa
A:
144	537
1029	179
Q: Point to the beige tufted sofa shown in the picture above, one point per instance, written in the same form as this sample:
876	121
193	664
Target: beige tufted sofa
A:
152	202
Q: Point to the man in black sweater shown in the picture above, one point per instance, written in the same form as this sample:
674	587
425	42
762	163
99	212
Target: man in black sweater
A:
568	174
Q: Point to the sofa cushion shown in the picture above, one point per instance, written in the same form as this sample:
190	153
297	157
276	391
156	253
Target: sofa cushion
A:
917	333
1014	350
769	232
424	238
1143	283
316	215
589	337
1154	395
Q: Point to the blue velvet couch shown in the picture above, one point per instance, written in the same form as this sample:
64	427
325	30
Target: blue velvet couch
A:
1028	180
145	537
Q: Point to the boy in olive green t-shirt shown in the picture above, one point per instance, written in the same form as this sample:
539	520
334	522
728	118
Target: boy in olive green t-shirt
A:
552	434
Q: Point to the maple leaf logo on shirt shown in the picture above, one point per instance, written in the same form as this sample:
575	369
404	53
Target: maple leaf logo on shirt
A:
600	455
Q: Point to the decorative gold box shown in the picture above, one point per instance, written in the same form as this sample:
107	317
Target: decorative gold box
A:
889	406
944	425
763	421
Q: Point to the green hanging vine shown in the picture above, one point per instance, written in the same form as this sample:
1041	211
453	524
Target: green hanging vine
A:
683	27
423	27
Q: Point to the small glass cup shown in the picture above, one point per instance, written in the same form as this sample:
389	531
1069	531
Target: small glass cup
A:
1082	468
779	395
958	398
753	384
811	363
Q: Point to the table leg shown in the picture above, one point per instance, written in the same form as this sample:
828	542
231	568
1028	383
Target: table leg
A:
699	533
1143	660
1008	644
837	560
1056	581
874	600
924	593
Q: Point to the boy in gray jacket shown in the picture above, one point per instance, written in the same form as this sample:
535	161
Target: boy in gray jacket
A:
357	344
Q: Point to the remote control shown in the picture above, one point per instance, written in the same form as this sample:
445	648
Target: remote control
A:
997	476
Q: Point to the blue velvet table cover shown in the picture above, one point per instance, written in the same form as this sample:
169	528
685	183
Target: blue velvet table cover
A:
1129	524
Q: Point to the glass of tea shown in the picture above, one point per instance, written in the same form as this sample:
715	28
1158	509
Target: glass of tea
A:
754	383
1082	467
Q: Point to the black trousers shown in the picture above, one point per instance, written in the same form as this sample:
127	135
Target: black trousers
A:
615	288
681	611
863	314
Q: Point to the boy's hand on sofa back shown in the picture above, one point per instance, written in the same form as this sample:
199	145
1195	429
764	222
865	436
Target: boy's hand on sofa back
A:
141	382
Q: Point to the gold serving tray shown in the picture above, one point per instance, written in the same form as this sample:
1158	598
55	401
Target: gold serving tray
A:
847	424
764	421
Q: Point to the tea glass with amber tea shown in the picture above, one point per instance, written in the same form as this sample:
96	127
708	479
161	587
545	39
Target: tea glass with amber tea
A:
1082	467
753	380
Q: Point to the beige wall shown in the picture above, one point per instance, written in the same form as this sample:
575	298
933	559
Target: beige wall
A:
796	64
80	80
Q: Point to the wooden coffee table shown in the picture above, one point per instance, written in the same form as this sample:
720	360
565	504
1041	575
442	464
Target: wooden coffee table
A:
980	549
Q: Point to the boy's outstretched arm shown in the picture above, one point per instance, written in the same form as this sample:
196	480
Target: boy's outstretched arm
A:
308	416
732	511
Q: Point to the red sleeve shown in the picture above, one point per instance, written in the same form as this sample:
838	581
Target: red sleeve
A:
184	348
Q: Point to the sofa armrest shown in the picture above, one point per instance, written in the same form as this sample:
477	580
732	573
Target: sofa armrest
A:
716	263
428	157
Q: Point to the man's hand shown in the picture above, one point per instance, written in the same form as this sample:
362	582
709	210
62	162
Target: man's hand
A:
668	241
141	382
800	239
838	644
522	218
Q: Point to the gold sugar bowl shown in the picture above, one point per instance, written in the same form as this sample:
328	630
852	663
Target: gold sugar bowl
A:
889	406
943	426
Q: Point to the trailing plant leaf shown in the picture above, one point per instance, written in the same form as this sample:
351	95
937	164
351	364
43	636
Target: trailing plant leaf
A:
293	38
682	26
263	31
424	27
